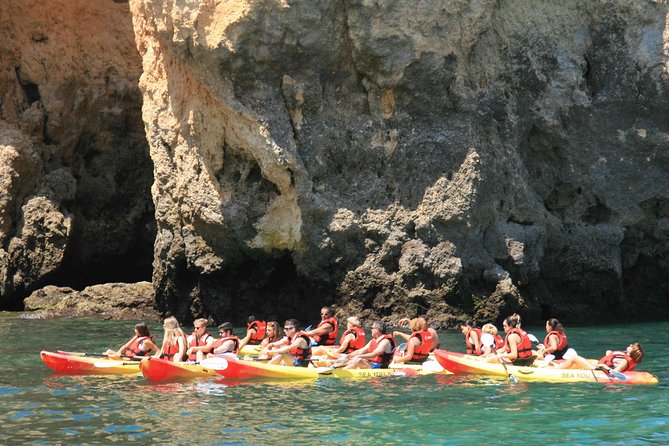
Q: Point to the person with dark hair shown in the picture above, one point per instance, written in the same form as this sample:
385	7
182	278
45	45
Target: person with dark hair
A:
255	332
620	361
295	350
327	330
555	342
139	345
472	337
517	345
227	343
377	354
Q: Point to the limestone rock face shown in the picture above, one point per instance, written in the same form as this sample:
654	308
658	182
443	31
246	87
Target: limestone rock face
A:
408	157
75	172
107	301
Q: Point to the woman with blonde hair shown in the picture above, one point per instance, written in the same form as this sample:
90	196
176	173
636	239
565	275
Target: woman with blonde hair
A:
419	343
490	340
173	347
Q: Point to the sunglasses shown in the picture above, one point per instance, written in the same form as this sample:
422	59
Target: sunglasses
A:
289	328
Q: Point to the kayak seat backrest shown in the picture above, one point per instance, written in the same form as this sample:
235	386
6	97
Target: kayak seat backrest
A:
524	362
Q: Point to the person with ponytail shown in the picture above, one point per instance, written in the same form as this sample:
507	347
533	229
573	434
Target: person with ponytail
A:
620	360
555	343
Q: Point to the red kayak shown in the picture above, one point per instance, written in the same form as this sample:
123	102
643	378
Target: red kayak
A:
157	369
83	364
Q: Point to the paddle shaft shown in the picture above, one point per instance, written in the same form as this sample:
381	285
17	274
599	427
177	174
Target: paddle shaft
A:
501	361
101	355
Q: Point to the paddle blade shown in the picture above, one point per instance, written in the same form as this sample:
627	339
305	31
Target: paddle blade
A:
513	378
215	363
616	374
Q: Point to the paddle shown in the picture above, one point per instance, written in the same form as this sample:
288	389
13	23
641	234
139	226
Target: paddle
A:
217	363
511	377
100	355
612	372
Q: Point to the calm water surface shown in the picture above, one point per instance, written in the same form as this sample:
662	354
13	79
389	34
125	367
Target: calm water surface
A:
40	407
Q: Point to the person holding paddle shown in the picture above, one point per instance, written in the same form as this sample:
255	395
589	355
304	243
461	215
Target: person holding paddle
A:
139	345
352	339
296	350
517	345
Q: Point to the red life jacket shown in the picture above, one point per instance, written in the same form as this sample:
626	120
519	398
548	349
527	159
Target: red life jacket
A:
525	346
471	348
133	349
194	341
421	352
358	341
301	354
608	360
384	358
261	328
220	342
562	343
330	338
171	350
499	342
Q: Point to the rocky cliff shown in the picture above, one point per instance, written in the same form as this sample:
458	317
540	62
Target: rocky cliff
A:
75	171
470	157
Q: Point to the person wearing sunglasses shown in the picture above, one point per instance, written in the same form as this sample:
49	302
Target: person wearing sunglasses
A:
228	343
199	342
296	349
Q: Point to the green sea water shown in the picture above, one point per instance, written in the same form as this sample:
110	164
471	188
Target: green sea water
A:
41	407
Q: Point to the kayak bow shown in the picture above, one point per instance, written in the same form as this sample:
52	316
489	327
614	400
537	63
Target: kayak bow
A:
86	365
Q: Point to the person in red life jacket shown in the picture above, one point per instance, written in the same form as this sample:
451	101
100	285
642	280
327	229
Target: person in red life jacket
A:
517	344
199	342
490	340
255	332
555	342
272	339
228	343
472	338
352	339
139	345
419	343
620	361
378	353
405	322
174	343
297	348
327	330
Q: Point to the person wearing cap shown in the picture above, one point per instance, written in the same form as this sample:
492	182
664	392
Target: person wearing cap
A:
227	343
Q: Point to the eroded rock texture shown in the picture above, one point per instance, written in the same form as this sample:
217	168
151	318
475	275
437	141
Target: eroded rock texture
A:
74	166
401	157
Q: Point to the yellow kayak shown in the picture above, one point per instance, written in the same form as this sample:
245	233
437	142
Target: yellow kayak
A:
232	368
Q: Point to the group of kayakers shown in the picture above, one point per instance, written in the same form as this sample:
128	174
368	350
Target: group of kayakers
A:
352	350
517	348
